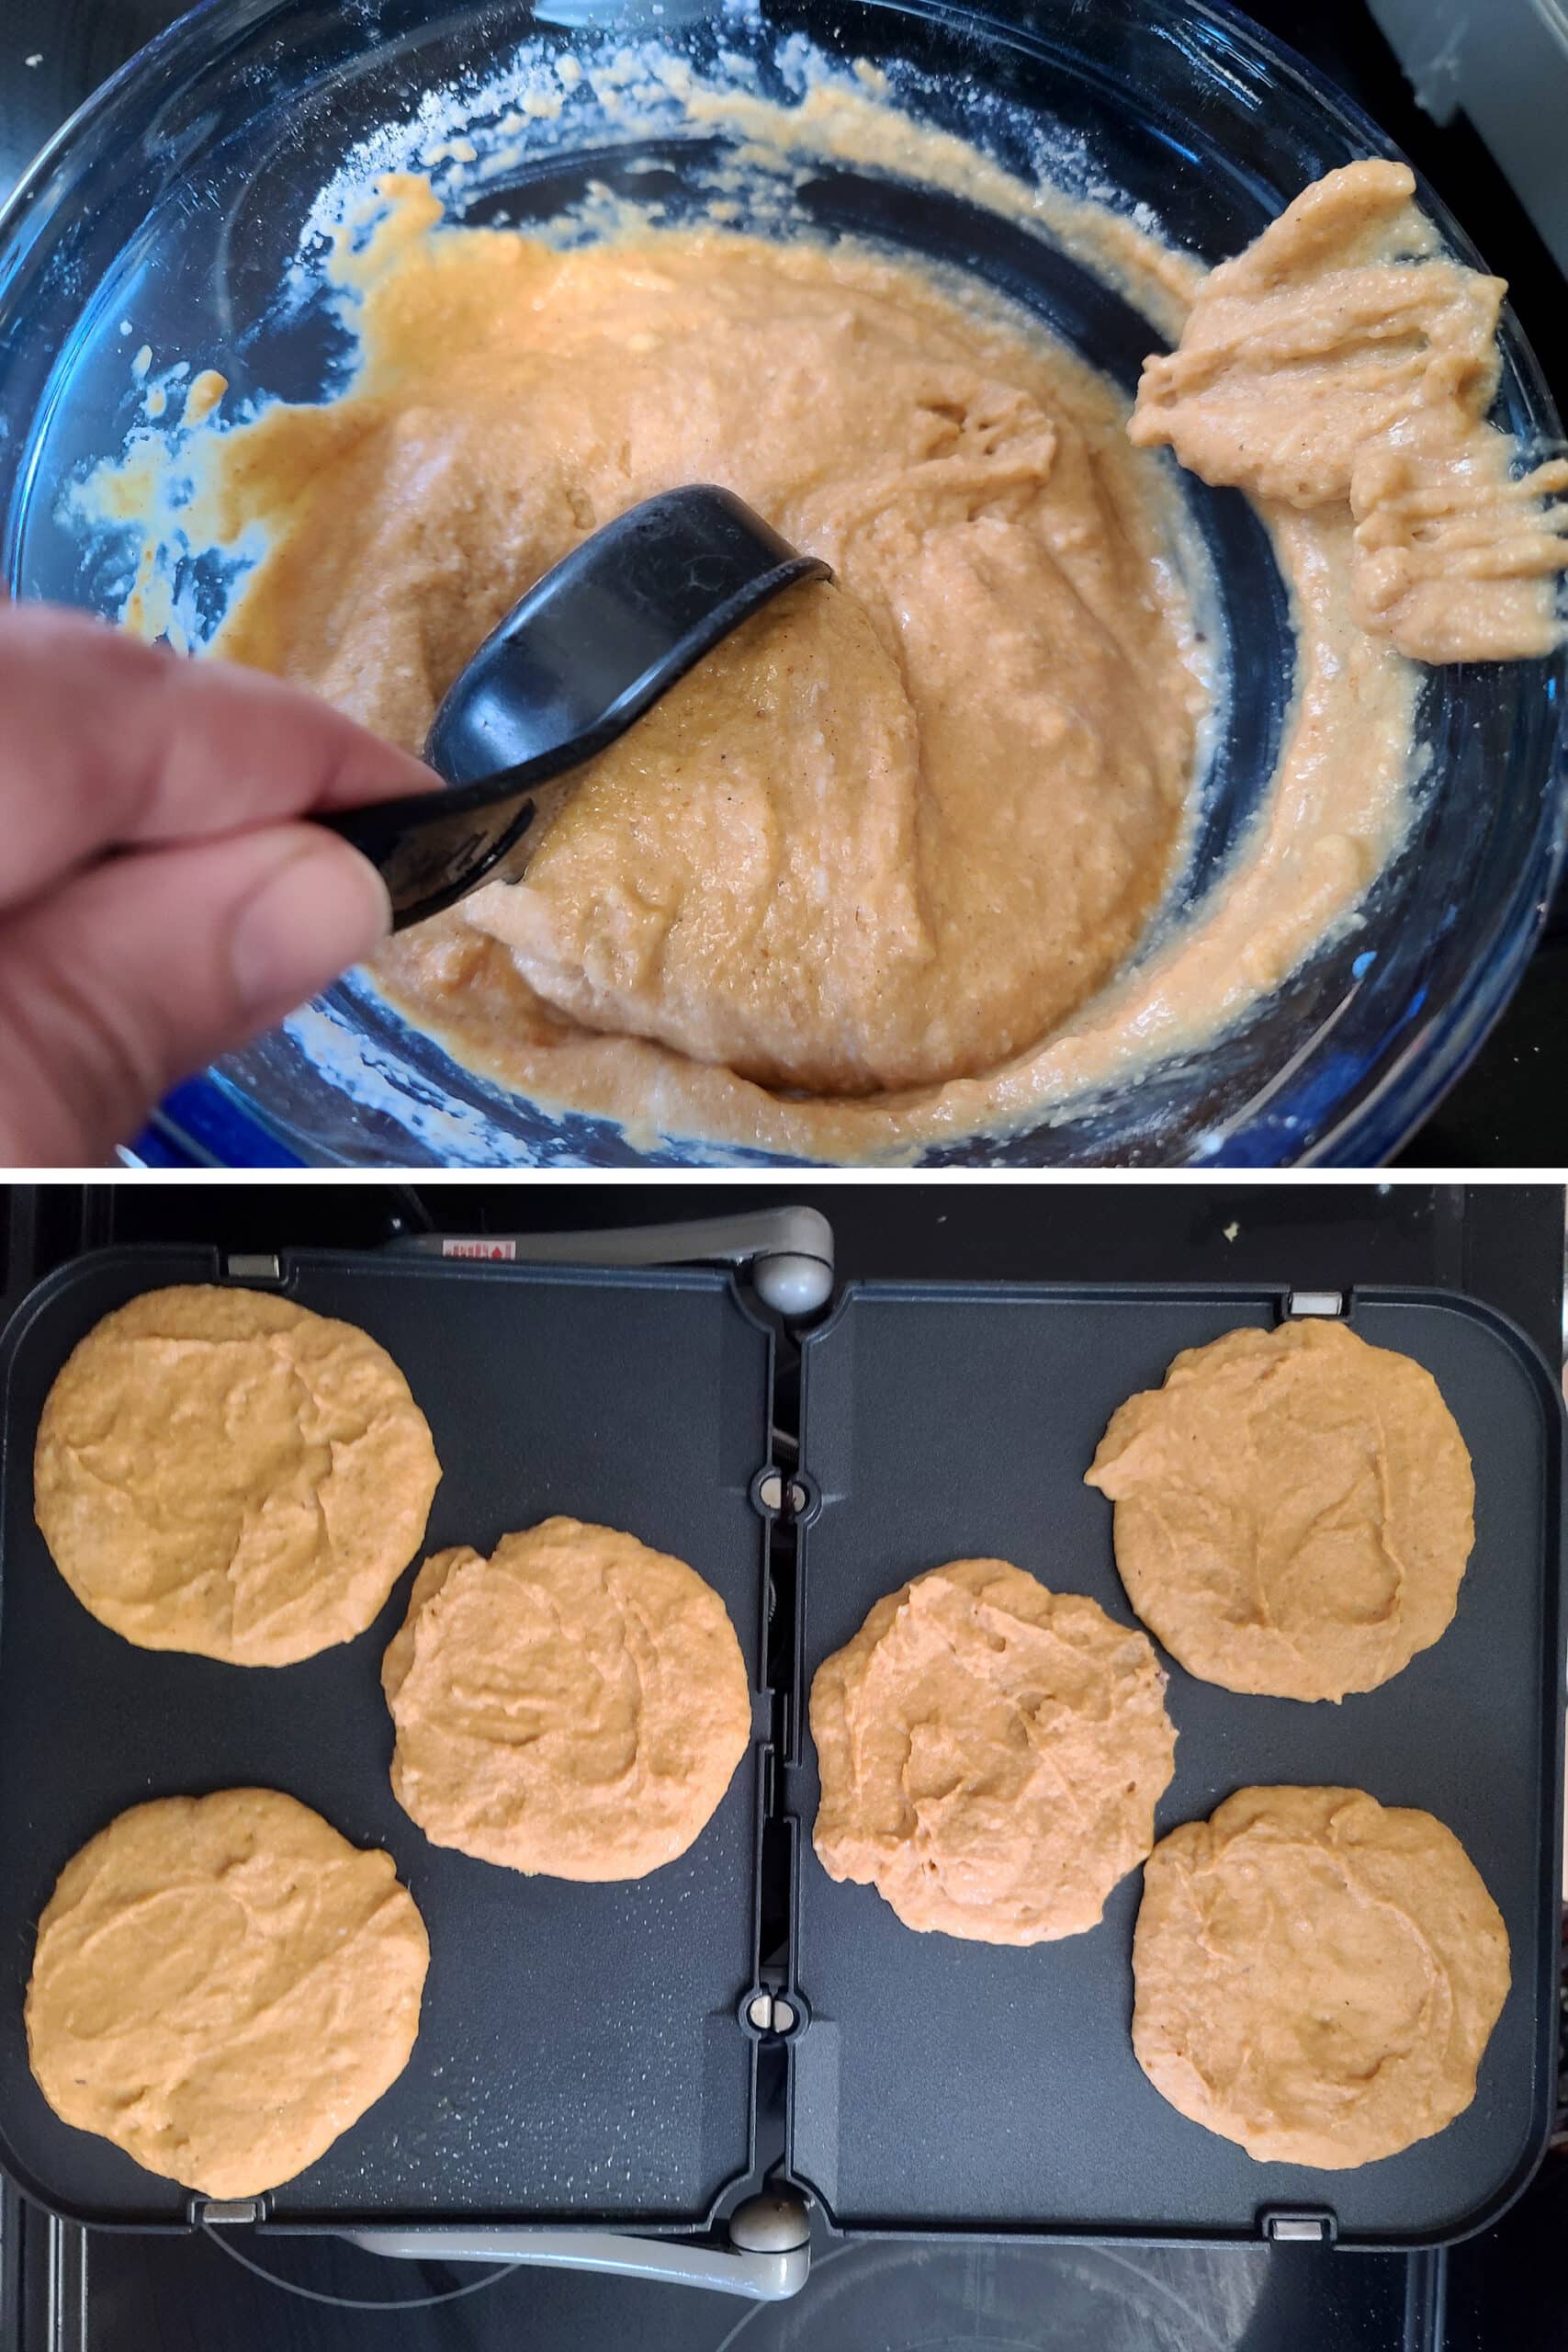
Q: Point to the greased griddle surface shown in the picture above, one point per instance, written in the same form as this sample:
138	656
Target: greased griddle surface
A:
579	2054
947	2085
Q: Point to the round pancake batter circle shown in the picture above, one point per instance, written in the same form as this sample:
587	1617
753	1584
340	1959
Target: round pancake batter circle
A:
991	1754
1295	1510
222	1472
1317	1974
574	1706
221	1986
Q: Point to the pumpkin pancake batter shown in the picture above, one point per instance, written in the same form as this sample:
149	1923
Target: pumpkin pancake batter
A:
575	1706
223	1472
1317	1974
1342	361
991	1755
222	1985
893	830
1293	1509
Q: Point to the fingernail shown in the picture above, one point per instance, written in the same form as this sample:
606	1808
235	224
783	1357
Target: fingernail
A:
321	909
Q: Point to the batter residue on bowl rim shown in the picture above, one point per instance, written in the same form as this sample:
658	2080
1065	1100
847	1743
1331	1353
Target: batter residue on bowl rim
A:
936	917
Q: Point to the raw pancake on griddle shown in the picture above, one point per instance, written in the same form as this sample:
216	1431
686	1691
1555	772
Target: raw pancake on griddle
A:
1294	1509
991	1754
220	1471
221	1986
574	1705
1317	1974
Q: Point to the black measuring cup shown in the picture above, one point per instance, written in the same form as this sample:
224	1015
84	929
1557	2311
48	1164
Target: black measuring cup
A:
582	656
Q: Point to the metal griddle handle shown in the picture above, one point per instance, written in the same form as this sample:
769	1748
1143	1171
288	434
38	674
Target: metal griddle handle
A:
789	1251
766	2261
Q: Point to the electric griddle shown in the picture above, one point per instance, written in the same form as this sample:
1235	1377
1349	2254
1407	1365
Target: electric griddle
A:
585	2087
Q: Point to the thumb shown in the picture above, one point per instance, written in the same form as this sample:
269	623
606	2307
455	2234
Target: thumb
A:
138	971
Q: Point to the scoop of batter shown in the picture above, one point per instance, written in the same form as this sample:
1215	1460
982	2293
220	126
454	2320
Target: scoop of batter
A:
223	1472
683	896
889	833
574	1705
991	1755
1342	359
1317	1974
222	1985
1293	1509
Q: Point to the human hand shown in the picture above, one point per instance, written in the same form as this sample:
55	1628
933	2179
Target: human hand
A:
161	899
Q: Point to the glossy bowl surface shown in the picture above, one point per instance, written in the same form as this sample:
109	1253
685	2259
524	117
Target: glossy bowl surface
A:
170	212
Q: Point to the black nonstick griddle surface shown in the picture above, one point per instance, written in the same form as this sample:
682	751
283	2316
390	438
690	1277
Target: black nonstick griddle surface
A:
579	2055
945	2085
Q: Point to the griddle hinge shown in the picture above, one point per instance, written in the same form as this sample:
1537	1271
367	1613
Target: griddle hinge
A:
778	1495
769	2011
1313	2226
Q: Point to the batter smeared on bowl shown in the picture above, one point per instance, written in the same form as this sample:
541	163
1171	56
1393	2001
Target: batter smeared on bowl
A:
1343	361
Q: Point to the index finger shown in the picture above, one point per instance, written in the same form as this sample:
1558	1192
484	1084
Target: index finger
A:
108	743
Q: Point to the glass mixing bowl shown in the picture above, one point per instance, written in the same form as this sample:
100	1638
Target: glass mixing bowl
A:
170	210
